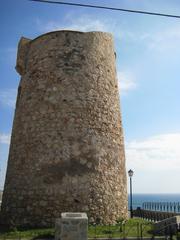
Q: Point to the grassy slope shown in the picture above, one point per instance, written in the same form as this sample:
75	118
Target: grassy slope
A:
130	229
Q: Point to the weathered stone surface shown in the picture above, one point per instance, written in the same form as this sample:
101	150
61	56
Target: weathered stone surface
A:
67	147
23	46
71	226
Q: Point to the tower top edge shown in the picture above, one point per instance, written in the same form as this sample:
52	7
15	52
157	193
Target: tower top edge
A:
71	31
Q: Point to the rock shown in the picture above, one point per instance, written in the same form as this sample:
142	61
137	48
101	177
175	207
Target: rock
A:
23	48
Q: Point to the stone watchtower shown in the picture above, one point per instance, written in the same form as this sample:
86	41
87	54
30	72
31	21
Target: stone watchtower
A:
67	147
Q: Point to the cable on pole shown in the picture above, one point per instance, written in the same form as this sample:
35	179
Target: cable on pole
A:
108	8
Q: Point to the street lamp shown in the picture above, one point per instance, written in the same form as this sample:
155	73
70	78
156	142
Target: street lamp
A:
130	173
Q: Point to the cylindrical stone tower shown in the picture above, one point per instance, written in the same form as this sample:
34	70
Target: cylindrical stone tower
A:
67	147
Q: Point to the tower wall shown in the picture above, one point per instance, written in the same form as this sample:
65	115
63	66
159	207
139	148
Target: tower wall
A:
67	148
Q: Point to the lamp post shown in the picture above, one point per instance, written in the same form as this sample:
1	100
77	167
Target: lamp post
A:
130	173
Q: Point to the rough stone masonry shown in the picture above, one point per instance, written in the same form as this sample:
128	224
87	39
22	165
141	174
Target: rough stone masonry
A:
67	147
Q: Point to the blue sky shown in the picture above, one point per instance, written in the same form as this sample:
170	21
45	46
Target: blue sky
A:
148	66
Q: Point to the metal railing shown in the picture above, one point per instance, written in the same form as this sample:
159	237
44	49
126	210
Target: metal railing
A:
153	215
162	206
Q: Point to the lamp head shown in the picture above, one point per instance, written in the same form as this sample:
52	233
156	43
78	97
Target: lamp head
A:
130	173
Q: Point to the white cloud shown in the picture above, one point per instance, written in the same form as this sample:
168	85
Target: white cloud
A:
8	97
156	153
86	23
166	40
126	82
5	138
83	23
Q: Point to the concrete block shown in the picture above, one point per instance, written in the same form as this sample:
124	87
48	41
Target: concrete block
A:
71	226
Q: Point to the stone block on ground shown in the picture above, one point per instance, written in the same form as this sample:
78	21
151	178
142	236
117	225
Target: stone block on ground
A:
71	226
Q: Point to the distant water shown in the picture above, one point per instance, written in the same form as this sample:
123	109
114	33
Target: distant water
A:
138	199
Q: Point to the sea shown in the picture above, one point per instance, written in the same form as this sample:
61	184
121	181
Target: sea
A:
138	198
